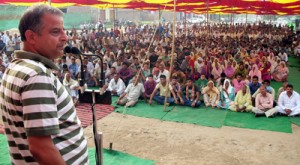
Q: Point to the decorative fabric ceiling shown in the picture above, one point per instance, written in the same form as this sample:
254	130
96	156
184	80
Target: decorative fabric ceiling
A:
261	7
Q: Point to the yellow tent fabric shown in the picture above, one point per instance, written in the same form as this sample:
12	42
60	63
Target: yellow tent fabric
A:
260	7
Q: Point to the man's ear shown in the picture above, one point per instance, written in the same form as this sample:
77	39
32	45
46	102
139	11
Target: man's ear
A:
30	36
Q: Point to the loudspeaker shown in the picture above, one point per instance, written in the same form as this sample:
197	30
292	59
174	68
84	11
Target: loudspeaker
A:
87	97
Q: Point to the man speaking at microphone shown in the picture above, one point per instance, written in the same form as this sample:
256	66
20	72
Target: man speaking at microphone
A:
39	116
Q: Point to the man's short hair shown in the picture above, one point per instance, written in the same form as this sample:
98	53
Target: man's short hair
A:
263	86
267	81
223	74
32	18
239	74
255	77
290	86
162	76
189	79
150	75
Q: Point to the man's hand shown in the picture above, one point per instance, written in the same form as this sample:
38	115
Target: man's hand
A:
237	108
181	101
114	92
193	104
44	151
150	101
288	111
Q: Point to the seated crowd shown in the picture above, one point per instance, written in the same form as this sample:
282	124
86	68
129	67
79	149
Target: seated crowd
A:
230	67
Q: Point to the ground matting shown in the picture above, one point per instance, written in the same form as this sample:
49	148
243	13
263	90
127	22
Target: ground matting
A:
295	120
118	158
142	109
205	116
84	112
109	157
248	120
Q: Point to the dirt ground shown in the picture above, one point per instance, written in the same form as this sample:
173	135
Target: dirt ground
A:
170	143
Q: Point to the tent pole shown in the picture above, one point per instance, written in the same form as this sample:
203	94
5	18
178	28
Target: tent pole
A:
49	1
172	55
159	15
184	21
114	18
207	12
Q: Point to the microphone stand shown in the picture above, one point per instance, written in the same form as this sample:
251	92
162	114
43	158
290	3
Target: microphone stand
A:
97	137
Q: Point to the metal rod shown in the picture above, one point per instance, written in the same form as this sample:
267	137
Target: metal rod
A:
184	21
207	12
96	137
172	57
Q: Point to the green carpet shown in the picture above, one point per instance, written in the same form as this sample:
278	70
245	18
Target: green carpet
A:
114	101
276	86
293	62
295	120
4	156
116	158
205	117
294	78
248	120
110	157
142	109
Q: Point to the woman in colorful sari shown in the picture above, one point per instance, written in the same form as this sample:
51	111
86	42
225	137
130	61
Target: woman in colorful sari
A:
266	71
242	101
216	71
281	72
227	95
229	70
241	70
208	69
255	72
210	94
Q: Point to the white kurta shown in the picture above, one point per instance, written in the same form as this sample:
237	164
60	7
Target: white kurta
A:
119	86
286	102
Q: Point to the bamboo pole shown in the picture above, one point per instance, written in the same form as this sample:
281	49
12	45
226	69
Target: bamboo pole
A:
207	12
172	57
207	29
114	17
148	50
184	21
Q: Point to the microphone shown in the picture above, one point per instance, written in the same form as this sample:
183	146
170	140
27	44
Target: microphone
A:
67	49
75	50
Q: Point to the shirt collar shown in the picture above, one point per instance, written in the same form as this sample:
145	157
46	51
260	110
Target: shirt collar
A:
21	54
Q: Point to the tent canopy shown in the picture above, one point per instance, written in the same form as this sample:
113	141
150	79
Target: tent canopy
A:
260	7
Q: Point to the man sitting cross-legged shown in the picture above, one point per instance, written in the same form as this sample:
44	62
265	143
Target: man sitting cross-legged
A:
263	103
116	85
289	102
190	94
132	93
162	87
